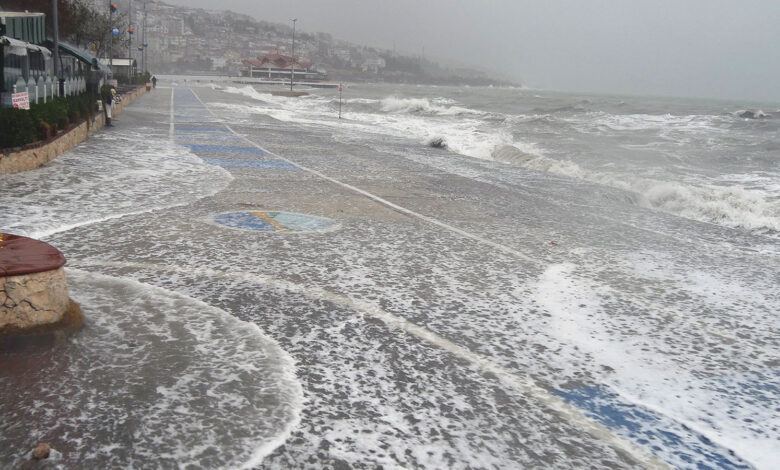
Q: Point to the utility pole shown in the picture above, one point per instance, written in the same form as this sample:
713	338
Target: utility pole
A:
129	38
143	43
110	36
56	37
292	68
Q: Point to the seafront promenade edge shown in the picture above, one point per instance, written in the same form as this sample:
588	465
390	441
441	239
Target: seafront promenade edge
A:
31	158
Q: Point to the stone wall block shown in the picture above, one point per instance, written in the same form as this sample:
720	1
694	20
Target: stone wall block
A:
33	300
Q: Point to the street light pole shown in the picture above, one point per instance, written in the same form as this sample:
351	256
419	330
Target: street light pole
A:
143	43
110	37
55	20
292	65
129	39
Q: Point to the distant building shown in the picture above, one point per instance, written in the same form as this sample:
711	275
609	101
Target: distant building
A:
373	65
280	67
119	66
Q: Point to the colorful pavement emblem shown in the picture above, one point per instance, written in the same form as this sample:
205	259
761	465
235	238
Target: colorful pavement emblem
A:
271	221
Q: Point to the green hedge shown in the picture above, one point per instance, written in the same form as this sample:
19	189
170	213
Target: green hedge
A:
17	128
44	120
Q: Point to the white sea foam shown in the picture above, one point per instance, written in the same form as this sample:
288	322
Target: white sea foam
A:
437	106
729	206
420	119
647	370
171	379
636	122
108	176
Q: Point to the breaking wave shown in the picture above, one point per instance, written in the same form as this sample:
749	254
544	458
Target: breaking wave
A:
437	106
730	206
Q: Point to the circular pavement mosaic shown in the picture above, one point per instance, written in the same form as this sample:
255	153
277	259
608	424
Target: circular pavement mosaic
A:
272	221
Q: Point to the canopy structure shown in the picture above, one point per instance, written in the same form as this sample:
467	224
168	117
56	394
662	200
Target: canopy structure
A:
25	26
80	54
17	47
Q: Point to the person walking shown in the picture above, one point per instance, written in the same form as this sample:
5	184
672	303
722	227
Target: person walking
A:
108	94
154	82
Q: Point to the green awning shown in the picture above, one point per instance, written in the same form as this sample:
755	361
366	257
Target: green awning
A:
80	54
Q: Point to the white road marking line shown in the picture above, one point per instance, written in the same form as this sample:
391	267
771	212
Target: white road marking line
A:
171	125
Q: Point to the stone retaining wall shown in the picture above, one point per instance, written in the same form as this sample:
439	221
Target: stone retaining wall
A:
34	157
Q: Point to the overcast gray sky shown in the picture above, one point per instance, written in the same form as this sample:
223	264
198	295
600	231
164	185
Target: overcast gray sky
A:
703	48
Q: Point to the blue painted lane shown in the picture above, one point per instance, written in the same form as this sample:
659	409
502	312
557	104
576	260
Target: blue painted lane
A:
668	439
224	149
251	164
201	129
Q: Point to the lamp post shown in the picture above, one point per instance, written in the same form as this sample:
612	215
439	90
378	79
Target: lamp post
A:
292	65
130	32
55	20
110	36
143	43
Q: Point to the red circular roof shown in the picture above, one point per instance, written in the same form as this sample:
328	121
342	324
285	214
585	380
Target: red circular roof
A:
22	255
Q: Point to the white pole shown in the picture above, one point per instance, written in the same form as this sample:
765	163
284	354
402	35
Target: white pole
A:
55	20
292	68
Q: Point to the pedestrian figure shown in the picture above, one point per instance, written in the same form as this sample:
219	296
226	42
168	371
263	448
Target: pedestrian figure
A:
108	103
154	82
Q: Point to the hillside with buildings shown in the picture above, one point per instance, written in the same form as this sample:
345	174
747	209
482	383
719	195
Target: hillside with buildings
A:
195	41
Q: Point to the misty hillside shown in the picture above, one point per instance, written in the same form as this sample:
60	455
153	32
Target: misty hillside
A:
193	40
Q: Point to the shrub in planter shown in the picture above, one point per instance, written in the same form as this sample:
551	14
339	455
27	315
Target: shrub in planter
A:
53	112
73	113
18	128
44	130
82	108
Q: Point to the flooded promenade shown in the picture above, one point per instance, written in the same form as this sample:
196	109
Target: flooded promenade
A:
269	294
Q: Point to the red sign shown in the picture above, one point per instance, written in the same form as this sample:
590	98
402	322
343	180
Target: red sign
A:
339	87
20	100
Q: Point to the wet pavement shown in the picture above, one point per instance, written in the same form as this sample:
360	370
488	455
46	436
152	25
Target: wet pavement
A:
419	301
